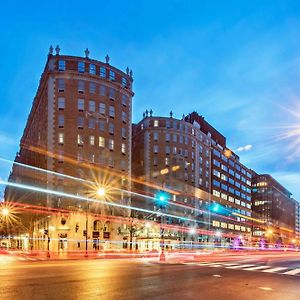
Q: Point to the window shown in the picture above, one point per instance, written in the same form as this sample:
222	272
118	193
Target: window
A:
111	144
101	141
216	173
102	72
123	133
102	90
216	183
80	104
80	122
124	117
175	137
124	82
61	65
124	100
92	123
123	165
92	106
112	93
216	163
92	140
155	123
111	128
167	161
155	136
123	148
61	103
92	88
92	69
216	193
101	125
61	121
167	149
168	137
102	108
79	139
80	86
60	138
81	67
174	125
155	148
111	111
61	85
168	124
112	75
174	150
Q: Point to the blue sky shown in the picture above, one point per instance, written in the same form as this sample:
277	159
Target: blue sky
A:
235	62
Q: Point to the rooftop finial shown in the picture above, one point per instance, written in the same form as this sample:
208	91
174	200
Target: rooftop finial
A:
144	115
151	112
107	58
87	53
130	74
146	112
171	114
50	50
127	71
183	116
57	50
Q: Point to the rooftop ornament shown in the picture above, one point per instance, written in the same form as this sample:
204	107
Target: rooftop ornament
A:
57	50
127	71
107	59
146	112
50	50
171	114
87	53
151	112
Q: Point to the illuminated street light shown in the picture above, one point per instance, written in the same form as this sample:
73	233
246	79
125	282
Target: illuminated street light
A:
5	212
218	233
192	230
101	192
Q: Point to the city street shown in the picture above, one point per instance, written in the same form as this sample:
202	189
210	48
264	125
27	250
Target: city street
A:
148	279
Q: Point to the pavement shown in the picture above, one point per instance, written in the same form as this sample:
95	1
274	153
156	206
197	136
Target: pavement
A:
215	277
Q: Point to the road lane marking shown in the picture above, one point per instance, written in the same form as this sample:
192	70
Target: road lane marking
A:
217	275
265	288
292	272
256	268
274	270
240	266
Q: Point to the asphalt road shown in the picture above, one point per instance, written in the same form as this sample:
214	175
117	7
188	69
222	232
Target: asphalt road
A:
141	279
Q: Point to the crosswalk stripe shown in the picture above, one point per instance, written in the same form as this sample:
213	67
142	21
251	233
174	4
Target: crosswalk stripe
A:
292	272
257	268
240	266
274	270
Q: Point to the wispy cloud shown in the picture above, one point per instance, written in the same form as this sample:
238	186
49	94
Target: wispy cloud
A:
244	148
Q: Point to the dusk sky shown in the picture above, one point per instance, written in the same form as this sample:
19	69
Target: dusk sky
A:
237	63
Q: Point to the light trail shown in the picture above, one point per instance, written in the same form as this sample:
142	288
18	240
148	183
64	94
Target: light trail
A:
67	195
178	204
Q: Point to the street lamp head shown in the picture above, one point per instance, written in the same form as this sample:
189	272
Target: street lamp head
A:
101	192
192	230
5	211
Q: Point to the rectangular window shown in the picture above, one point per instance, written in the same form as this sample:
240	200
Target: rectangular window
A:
102	90
81	67
61	121
92	140
101	141
155	124
112	111
175	137
80	86
111	144
112	94
92	69
61	103
61	85
102	72
155	136
123	133
80	104
124	100
124	117
123	148
80	122
112	75
168	150
111	128
92	123
155	148
92	106
124	82
79	139
168	137
102	108
61	138
61	65
92	88
101	125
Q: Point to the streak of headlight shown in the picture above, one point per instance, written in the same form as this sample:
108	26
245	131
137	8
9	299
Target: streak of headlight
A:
51	192
249	218
93	183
